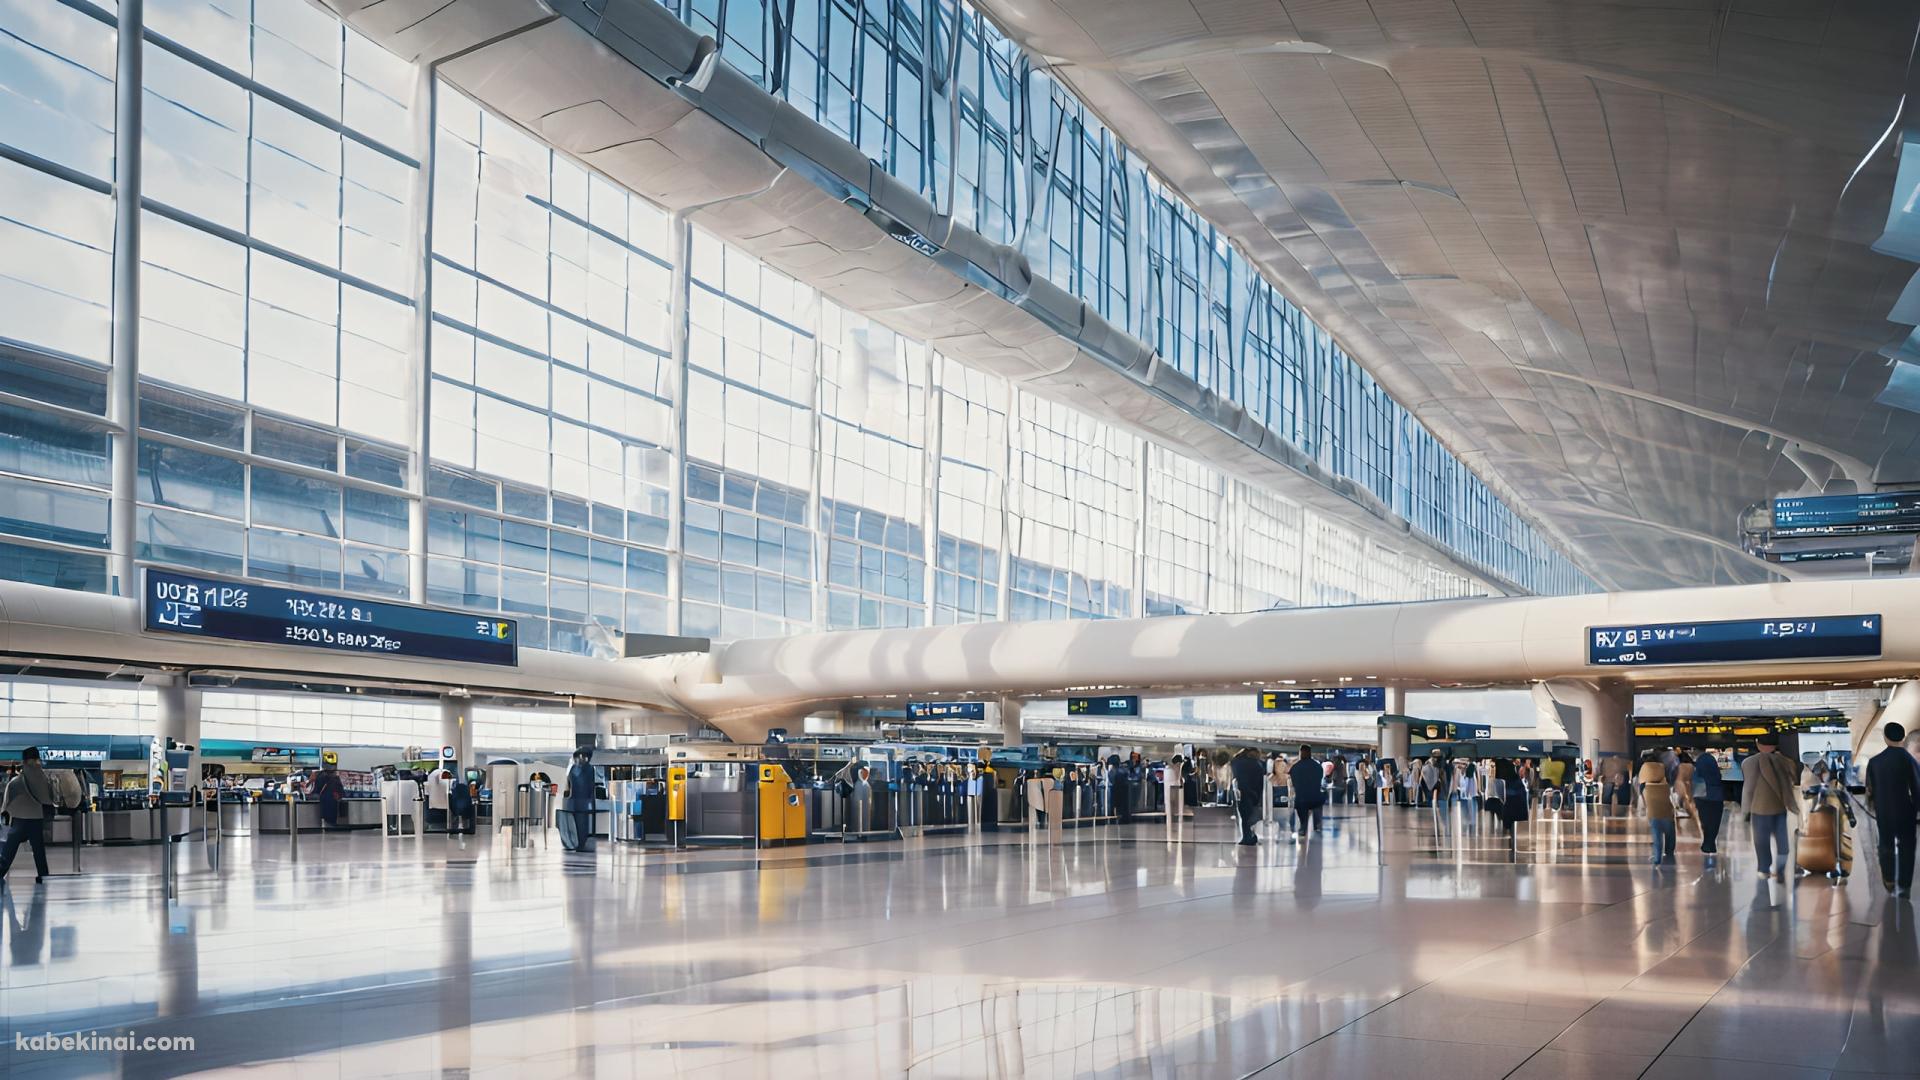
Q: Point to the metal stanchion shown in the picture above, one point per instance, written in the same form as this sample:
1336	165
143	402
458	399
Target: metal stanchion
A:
293	828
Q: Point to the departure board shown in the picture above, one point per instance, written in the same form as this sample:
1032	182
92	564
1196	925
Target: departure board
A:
1323	699
1124	705
175	603
1824	637
1882	511
946	710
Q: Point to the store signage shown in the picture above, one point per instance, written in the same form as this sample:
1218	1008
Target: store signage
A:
1884	511
271	755
1323	699
1448	731
446	753
1126	705
946	710
63	753
203	607
1822	637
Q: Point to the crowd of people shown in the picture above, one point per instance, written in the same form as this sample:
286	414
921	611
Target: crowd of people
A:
1666	786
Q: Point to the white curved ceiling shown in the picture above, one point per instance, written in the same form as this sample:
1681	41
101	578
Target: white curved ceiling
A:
1616	254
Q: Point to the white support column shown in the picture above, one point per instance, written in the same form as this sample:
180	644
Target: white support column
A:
1597	716
591	725
1902	708
179	719
1394	738
680	333
931	459
456	728
419	447
1141	506
123	381
1007	487
816	463
1010	730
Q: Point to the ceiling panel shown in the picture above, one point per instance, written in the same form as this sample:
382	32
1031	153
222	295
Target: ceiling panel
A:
1615	255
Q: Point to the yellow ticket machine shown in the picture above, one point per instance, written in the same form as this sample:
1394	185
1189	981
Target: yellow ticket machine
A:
677	805
783	812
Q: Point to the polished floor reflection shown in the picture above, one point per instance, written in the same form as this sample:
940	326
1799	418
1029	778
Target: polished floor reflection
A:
1115	952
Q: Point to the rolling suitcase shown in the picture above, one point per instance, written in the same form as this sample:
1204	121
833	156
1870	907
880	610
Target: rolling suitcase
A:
1826	847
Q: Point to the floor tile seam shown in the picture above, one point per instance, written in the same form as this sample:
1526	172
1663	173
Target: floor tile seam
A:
1605	907
1682	1029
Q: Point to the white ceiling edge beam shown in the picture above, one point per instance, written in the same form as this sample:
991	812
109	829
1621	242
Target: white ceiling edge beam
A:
1479	642
42	623
748	686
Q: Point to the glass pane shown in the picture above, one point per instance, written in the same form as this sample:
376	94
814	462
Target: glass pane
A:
191	480
167	536
295	502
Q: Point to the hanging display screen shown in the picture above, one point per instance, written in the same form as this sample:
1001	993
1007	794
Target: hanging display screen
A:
175	603
947	710
1884	511
1323	699
1127	705
1824	637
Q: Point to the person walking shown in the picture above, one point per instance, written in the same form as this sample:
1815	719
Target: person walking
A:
1893	793
28	800
1338	780
1307	789
1658	793
461	814
331	791
1683	788
1513	795
1770	794
577	803
1709	803
1249	782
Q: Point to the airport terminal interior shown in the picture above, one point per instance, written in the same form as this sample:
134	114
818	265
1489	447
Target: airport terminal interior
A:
959	538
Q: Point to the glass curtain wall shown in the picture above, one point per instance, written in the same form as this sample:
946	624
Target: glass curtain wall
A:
833	474
935	94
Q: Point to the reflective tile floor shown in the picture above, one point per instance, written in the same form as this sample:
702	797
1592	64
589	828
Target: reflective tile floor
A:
1115	952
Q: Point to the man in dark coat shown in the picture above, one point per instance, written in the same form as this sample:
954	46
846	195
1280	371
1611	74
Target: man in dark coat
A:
1893	789
577	804
1250	781
1306	788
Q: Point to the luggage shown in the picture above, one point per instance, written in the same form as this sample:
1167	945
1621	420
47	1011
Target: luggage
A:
1825	846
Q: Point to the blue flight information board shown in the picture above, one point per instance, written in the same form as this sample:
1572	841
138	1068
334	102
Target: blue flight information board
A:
1822	637
1884	511
1323	699
174	603
1122	705
946	710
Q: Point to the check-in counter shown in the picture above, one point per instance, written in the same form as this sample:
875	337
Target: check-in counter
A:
270	816
360	813
236	817
137	826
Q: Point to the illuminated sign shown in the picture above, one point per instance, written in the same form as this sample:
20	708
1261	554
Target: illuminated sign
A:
946	710
1323	699
1823	637
242	611
63	753
1447	731
271	755
1127	705
1885	511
